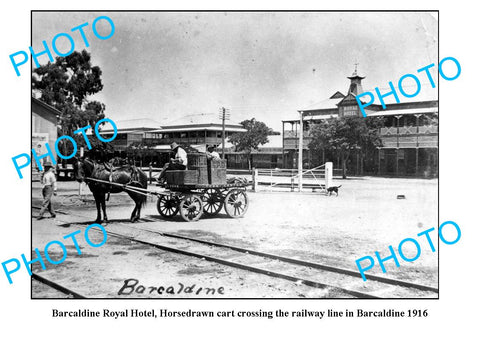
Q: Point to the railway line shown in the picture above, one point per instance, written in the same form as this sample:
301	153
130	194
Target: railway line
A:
335	281
58	289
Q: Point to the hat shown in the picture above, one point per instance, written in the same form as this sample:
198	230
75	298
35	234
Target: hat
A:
173	146
47	164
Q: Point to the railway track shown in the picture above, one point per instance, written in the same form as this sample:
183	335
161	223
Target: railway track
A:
57	287
311	274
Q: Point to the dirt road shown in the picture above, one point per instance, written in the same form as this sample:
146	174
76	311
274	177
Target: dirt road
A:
364	218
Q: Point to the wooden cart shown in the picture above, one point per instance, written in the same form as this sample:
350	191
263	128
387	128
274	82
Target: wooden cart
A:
194	200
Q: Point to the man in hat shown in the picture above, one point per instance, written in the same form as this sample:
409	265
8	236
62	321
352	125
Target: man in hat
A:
177	163
211	153
49	183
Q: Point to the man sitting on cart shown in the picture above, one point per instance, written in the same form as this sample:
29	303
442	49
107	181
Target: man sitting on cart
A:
211	153
177	163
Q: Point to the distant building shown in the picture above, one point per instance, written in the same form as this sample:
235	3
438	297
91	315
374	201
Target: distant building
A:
267	156
147	142
192	134
129	132
409	135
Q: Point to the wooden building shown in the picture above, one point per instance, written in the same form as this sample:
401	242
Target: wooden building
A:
409	135
44	130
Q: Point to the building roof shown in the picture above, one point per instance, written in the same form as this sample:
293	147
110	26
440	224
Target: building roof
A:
199	127
195	119
306	118
50	109
318	117
185	123
330	103
403	112
131	125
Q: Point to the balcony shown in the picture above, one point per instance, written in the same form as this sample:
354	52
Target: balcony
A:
412	141
294	134
408	130
292	144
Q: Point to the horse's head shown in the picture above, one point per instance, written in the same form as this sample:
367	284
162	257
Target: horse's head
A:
82	168
79	170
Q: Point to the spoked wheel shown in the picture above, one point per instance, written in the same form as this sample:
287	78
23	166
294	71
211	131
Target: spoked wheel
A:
167	206
212	201
191	208
236	203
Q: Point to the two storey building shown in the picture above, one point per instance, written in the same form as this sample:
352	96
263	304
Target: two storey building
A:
409	135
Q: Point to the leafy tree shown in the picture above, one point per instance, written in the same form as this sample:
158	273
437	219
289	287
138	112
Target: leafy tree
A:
66	85
257	134
346	134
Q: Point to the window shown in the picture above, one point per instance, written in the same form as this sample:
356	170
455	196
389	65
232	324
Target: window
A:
390	121
410	120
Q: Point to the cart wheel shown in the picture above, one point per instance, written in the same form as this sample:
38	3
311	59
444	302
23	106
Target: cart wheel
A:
167	206
236	203
212	202
191	208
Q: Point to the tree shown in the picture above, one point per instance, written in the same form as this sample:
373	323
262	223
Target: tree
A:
257	134
66	85
346	134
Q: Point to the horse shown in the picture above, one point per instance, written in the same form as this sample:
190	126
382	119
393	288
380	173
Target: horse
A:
125	175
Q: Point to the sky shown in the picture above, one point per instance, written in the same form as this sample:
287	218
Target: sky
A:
168	65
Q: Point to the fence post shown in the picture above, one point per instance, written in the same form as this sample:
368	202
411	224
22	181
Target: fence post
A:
328	174
150	172
292	185
254	179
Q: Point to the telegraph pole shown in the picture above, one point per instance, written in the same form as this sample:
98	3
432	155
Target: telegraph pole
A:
224	115
300	153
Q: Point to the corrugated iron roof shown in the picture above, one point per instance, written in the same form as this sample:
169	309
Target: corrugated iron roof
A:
403	112
324	104
167	129
132	125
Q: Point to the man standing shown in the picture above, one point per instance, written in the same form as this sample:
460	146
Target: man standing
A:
177	163
49	183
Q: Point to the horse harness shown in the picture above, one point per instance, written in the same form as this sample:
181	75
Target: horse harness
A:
134	178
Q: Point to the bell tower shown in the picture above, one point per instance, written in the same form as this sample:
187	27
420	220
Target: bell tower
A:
355	83
348	106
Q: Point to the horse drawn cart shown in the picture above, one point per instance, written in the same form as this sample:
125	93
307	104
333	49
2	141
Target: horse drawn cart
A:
201	189
194	200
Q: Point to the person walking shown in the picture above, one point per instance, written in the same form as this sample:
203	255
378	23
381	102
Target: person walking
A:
49	183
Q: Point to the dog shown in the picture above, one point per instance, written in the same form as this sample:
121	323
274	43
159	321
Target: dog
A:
330	190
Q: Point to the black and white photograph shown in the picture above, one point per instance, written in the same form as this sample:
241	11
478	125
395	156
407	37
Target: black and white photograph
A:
254	170
235	154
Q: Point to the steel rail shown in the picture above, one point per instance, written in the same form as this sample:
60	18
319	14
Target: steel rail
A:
294	261
57	286
306	282
274	257
306	263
